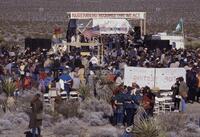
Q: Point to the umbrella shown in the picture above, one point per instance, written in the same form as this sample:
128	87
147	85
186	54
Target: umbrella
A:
65	77
48	80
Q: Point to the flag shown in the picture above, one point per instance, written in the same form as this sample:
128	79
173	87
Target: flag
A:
91	32
179	27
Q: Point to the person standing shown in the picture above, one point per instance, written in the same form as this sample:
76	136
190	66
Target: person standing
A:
198	86
36	116
81	74
183	92
175	89
119	103
129	106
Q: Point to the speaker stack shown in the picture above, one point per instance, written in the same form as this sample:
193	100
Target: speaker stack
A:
71	30
137	32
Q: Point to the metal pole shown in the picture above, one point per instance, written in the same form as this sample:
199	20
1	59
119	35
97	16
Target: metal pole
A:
141	26
145	24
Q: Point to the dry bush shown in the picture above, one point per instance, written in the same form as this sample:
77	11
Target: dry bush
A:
105	132
18	120
47	121
5	125
84	91
173	121
105	92
69	108
94	105
23	101
70	127
180	125
94	118
193	44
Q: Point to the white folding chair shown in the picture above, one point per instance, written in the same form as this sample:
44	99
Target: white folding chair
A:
46	98
63	95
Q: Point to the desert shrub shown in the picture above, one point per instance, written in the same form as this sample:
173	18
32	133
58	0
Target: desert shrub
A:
147	127
144	127
18	120
95	118
5	125
105	92
192	44
173	121
104	132
47	120
8	86
84	91
69	108
71	126
94	105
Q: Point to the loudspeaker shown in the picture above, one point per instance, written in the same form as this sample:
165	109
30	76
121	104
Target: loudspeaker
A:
36	43
147	38
137	33
161	44
72	25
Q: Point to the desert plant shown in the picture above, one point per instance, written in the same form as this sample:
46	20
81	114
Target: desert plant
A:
8	86
69	108
84	91
71	126
172	122
147	128
94	105
105	93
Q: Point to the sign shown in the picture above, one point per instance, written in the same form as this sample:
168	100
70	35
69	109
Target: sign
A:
107	15
142	76
112	26
163	78
166	77
175	41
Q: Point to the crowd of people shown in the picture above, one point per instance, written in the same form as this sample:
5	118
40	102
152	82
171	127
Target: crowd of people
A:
65	71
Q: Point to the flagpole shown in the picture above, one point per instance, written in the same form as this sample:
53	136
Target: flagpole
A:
183	29
183	32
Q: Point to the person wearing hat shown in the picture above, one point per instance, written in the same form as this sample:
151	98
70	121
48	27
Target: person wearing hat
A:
36	116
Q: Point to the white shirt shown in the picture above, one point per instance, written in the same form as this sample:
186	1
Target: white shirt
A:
94	60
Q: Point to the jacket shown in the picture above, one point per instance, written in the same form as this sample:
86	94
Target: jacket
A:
183	89
37	108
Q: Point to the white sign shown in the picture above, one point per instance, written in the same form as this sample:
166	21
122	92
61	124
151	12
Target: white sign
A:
163	78
166	77
142	76
112	26
176	41
107	15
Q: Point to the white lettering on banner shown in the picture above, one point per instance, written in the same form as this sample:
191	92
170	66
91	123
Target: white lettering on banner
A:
107	15
163	78
141	76
166	77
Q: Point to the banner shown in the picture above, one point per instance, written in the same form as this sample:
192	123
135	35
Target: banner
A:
141	76
107	15
163	78
166	77
112	26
